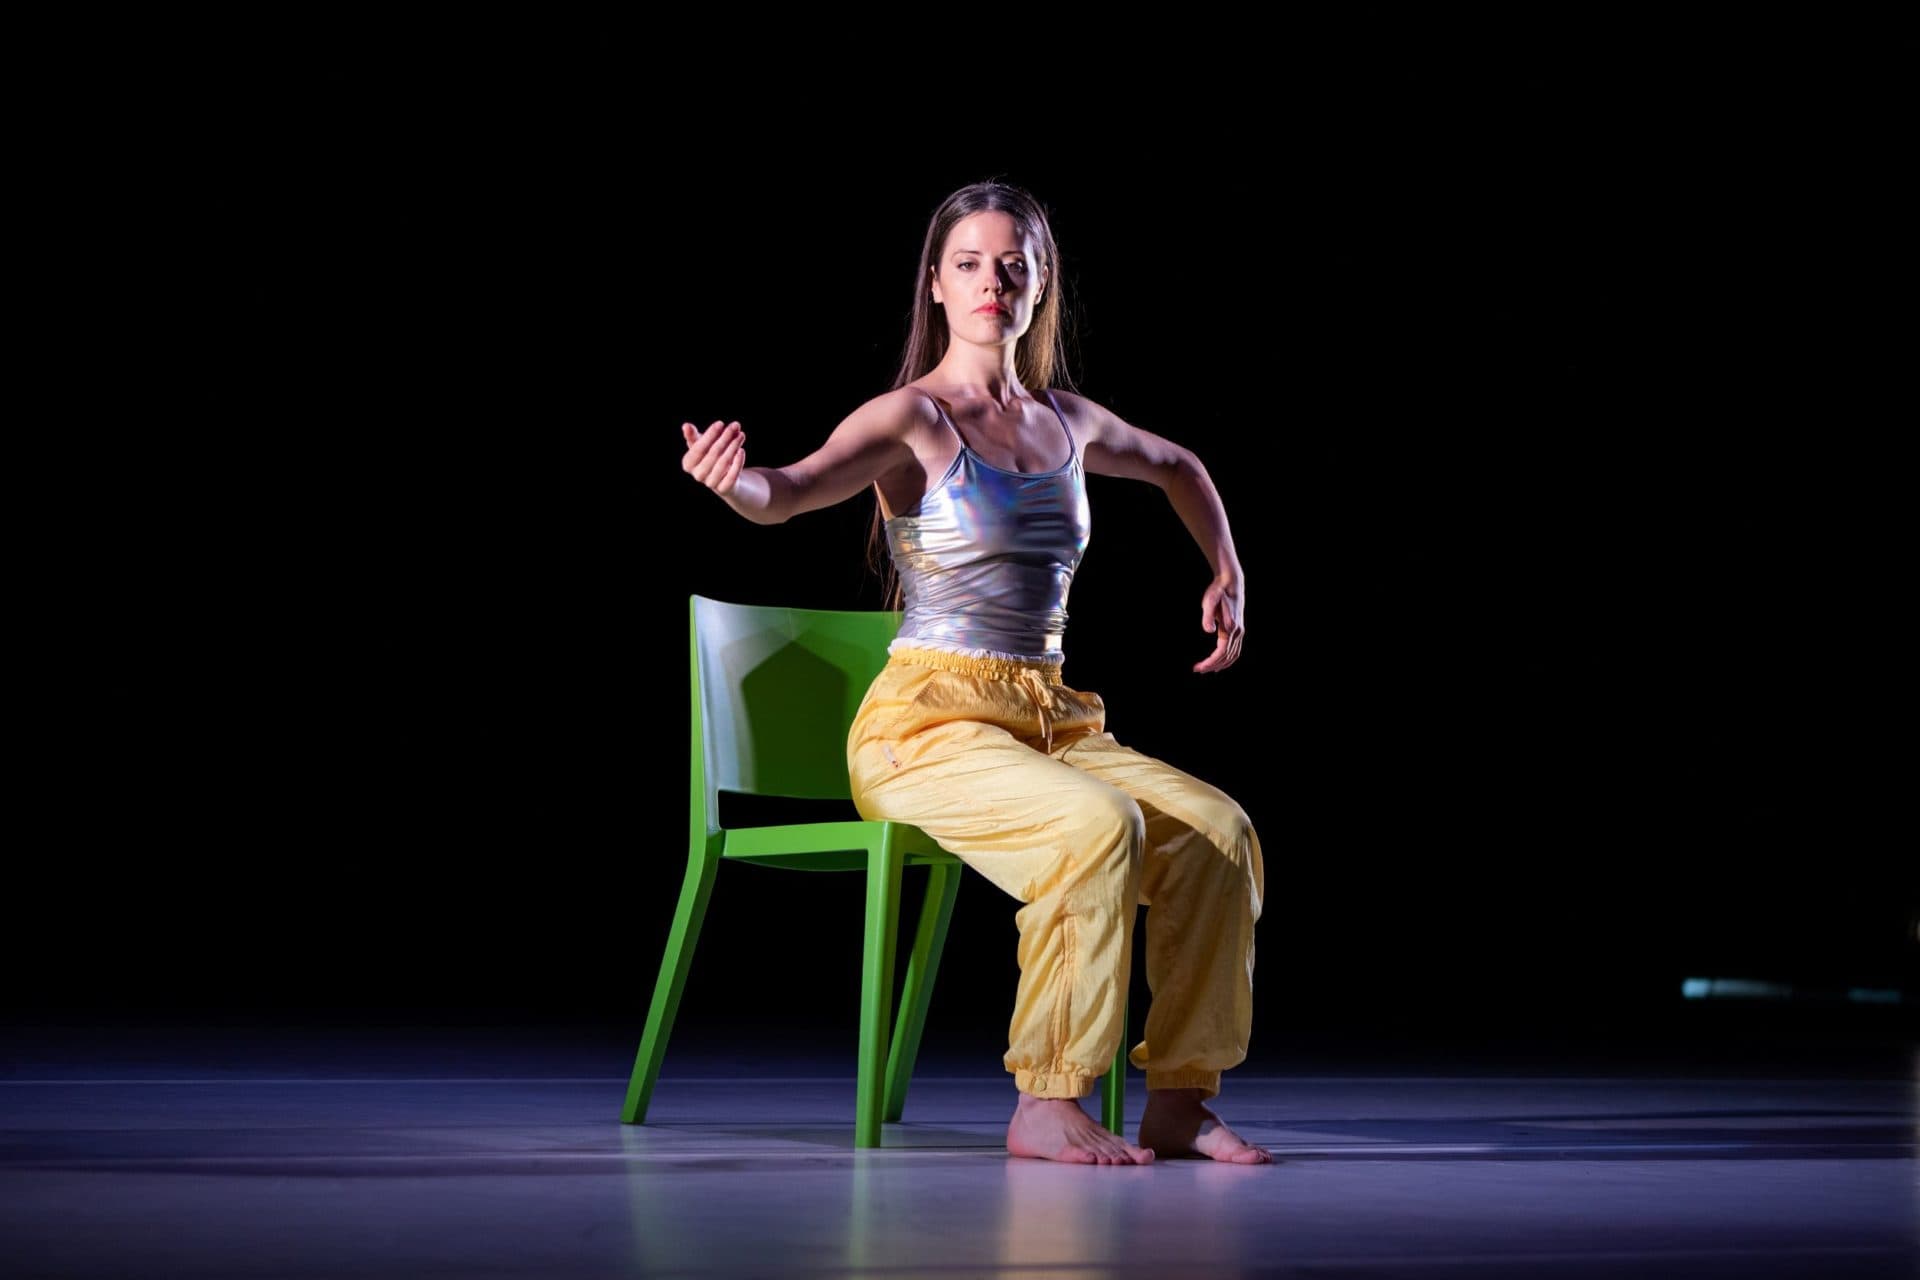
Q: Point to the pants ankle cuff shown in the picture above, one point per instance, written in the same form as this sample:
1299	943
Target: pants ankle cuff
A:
1208	1082
1052	1084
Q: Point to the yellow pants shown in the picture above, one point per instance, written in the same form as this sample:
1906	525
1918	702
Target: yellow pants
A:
1014	773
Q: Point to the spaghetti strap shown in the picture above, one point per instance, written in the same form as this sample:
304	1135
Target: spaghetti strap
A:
951	424
1073	450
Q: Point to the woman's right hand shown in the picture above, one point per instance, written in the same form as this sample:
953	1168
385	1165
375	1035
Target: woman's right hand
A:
715	456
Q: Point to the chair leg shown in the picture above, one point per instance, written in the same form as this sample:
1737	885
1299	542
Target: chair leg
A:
884	865
1114	1092
923	965
703	865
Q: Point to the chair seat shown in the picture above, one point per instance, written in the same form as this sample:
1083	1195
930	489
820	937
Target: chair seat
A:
828	846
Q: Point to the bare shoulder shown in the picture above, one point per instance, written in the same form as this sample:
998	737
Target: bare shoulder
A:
1080	411
1112	446
878	439
897	411
923	402
896	421
915	405
901	416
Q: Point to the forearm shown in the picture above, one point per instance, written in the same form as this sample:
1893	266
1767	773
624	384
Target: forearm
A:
1198	503
761	494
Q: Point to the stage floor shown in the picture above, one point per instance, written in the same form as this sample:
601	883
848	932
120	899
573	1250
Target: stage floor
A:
335	1153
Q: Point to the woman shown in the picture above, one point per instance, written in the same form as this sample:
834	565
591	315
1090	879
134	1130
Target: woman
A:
969	732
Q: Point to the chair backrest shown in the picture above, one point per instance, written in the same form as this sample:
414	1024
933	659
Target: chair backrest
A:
774	695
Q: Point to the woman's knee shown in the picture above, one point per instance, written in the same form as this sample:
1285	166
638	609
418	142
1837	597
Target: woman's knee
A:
1240	832
1224	823
1115	822
1243	843
1229	830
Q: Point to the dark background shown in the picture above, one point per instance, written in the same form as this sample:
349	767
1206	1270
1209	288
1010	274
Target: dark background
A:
1532	403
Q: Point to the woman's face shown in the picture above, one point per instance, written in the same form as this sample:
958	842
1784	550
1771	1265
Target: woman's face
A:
988	260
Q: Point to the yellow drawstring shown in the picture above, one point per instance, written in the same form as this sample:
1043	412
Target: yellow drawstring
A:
1042	700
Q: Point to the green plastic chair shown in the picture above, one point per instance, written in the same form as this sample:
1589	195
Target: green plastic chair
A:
774	695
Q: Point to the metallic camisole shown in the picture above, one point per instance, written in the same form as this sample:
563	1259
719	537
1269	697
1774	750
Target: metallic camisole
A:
987	555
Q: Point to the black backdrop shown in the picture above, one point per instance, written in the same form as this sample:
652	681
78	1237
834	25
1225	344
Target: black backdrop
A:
1528	405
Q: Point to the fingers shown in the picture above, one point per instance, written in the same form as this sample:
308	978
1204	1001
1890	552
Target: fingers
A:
1220	656
716	456
1219	614
1226	645
702	444
725	484
1220	660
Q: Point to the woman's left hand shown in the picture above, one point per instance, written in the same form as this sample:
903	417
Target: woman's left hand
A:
1221	612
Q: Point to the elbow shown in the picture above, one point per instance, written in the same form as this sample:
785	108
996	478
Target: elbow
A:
1184	465
782	498
785	500
760	495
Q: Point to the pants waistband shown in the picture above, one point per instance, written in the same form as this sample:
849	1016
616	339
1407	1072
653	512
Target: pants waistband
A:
1000	668
1033	676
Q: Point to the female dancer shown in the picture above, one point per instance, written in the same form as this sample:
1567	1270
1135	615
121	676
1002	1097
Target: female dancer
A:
969	732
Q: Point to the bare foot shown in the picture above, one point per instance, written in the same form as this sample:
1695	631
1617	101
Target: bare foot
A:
1060	1129
1178	1125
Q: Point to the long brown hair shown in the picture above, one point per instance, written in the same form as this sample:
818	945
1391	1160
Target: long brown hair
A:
1039	357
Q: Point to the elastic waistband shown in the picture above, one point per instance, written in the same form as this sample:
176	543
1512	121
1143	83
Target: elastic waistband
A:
1001	668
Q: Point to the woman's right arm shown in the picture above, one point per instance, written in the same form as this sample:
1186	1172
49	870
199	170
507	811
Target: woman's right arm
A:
868	443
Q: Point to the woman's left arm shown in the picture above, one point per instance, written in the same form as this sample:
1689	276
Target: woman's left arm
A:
1223	608
1111	446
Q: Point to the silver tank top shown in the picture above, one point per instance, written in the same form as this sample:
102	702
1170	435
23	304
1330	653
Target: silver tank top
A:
987	555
